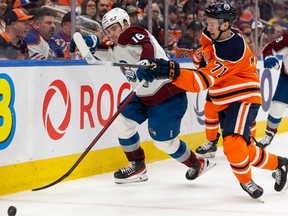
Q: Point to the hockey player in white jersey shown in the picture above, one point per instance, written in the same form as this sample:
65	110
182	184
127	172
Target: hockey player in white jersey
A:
161	103
280	99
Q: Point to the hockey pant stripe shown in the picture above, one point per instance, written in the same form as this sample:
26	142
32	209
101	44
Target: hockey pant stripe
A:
242	157
211	121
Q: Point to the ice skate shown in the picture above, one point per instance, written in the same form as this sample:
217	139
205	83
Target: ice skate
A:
201	166
266	140
208	149
254	190
281	174
134	172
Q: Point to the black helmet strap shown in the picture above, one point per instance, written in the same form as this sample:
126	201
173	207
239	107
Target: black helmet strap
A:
221	31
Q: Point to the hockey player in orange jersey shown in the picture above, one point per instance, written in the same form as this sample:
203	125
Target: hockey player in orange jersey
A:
234	87
209	148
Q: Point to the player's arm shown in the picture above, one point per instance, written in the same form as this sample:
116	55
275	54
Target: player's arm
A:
278	46
187	79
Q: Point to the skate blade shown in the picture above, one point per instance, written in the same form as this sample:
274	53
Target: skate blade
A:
207	155
260	200
285	187
210	166
132	179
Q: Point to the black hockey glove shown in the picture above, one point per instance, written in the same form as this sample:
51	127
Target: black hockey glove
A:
163	69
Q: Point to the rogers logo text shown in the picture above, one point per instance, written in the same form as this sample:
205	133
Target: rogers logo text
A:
56	131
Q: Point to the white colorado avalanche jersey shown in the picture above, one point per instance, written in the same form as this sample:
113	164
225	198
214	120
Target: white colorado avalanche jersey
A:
134	45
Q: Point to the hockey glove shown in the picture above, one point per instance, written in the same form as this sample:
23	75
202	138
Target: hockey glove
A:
271	62
92	41
163	69
142	74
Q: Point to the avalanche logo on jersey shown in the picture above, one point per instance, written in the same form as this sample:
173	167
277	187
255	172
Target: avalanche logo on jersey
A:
129	73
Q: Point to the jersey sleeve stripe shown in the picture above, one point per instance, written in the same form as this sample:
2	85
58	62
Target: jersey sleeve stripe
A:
204	78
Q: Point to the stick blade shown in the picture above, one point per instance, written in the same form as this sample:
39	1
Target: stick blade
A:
54	183
84	49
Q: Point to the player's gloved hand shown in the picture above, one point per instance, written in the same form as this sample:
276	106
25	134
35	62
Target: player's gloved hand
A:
271	62
142	74
92	41
163	69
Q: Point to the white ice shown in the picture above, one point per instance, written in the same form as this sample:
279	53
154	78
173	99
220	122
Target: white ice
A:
166	193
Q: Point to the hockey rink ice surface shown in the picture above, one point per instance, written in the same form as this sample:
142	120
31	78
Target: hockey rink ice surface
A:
166	193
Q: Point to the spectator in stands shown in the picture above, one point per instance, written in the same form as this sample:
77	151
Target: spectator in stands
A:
266	9
155	21
12	44
142	4
131	3
63	37
33	12
38	38
189	18
174	30
280	14
118	5
245	21
173	18
133	14
181	18
200	10
3	8
188	44
190	6
88	10
102	7
134	3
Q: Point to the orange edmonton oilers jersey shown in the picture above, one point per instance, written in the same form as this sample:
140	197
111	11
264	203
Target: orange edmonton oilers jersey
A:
230	73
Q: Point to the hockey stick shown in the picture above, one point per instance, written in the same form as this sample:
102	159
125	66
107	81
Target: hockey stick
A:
110	121
90	59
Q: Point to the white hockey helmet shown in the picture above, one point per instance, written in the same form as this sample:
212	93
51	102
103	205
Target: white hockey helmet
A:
116	15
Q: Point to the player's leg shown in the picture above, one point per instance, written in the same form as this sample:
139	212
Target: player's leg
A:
125	126
262	159
236	121
278	106
164	122
274	118
209	148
